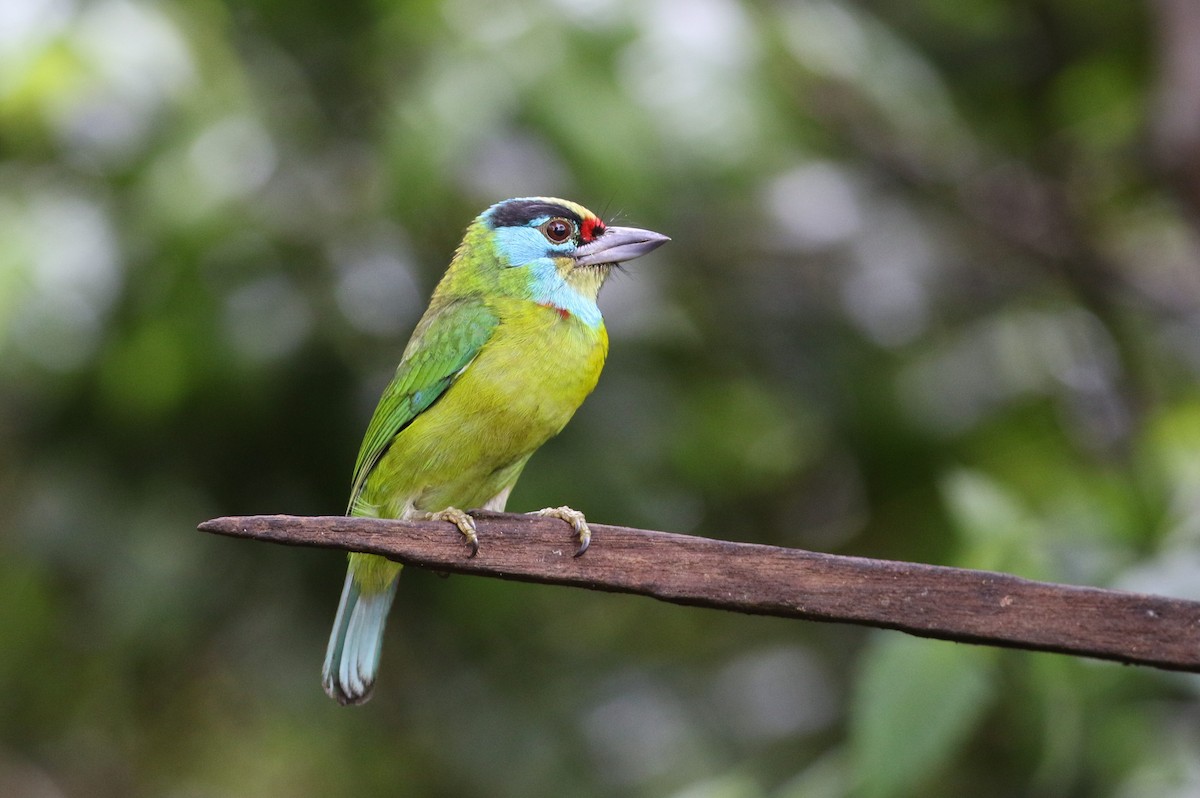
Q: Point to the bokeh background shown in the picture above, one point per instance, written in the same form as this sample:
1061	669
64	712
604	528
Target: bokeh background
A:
933	294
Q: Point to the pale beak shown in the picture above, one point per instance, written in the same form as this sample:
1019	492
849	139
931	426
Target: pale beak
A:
617	245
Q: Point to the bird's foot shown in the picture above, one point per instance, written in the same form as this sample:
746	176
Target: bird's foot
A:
464	522
577	522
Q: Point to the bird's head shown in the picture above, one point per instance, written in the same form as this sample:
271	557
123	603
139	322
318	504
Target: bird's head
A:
555	251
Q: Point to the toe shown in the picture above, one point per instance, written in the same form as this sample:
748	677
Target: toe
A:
464	522
577	522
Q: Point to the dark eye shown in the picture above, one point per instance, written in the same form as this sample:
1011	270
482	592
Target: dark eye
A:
558	230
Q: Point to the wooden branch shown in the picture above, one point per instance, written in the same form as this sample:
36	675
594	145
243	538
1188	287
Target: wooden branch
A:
925	600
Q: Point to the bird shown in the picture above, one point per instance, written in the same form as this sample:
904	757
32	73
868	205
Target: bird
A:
511	344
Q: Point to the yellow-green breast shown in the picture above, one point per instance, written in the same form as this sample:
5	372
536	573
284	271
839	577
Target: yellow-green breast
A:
521	390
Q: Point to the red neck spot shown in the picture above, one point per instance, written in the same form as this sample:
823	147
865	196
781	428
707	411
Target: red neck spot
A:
563	313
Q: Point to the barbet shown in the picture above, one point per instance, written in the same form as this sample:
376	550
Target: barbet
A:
511	344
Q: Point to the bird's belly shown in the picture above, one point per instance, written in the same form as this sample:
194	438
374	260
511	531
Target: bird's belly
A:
471	444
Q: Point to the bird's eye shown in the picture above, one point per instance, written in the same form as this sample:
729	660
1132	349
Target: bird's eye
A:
558	230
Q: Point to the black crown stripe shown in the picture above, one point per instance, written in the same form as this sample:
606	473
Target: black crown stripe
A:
521	212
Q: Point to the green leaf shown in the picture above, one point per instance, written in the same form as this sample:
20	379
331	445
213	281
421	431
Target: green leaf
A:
915	702
998	532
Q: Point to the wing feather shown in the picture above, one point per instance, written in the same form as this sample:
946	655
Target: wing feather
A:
442	348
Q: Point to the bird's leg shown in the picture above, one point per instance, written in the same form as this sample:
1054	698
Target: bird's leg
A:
464	522
577	522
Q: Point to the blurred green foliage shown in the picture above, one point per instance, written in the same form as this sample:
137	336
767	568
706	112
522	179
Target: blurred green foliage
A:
931	296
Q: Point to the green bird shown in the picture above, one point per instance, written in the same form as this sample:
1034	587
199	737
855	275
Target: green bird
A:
510	346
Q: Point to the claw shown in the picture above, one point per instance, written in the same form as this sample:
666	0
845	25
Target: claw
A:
464	522
577	522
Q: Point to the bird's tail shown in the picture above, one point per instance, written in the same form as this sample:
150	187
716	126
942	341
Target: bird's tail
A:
352	659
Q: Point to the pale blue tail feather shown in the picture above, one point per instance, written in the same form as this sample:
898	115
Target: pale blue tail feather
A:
352	659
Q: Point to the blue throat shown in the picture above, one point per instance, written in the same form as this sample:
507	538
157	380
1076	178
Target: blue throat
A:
549	288
526	248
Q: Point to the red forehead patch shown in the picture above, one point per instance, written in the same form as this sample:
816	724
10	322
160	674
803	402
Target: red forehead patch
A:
591	228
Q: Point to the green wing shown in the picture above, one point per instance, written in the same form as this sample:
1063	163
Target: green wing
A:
443	345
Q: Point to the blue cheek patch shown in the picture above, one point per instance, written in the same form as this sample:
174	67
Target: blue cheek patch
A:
521	245
526	247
